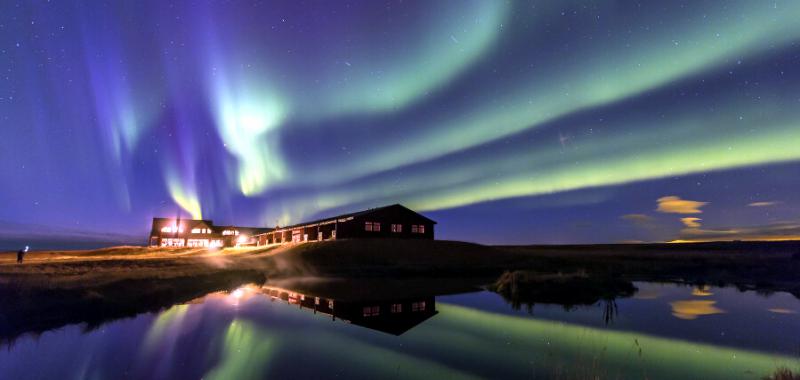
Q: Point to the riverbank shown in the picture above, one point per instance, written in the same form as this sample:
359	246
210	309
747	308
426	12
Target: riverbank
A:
55	288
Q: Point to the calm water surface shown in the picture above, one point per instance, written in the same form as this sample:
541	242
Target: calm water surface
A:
665	331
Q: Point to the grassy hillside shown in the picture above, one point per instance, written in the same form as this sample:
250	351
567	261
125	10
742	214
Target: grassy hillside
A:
755	263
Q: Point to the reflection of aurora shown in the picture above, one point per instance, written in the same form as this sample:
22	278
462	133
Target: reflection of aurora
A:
461	342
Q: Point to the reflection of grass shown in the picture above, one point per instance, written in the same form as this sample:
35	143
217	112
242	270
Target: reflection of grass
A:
35	309
525	288
782	373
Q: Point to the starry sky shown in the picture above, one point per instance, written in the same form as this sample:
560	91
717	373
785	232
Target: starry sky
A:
508	122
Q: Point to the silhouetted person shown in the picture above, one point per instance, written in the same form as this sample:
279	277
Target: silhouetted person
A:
21	254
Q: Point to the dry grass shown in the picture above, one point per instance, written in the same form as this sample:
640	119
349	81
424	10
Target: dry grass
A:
762	265
79	268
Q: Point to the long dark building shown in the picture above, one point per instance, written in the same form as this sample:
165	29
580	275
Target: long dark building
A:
394	221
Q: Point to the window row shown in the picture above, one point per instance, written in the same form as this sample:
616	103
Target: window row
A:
395	228
201	230
172	228
374	311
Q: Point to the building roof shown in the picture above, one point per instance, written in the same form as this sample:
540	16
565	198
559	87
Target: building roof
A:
258	230
354	214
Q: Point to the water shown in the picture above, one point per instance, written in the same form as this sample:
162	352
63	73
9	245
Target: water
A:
663	331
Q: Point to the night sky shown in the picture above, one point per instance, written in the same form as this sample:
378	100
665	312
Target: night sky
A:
507	122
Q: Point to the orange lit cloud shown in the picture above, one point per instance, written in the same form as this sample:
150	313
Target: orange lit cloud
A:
771	232
675	205
763	204
691	222
779	310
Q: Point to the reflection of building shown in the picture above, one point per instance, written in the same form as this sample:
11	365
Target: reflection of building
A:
167	232
392	316
395	221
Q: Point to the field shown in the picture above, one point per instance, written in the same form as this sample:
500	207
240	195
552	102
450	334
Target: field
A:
775	264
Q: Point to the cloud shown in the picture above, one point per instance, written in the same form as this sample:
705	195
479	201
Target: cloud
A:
691	222
675	205
763	204
769	232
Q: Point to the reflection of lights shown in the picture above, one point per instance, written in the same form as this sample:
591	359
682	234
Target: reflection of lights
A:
236	296
702	291
238	293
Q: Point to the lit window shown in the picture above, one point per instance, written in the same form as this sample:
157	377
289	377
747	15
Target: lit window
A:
397	228
372	226
198	243
172	228
195	230
418	228
397	308
172	242
372	311
418	306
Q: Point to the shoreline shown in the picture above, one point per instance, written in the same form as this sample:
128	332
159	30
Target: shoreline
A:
55	288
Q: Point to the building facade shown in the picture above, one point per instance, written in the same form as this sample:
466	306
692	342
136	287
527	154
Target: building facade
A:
395	221
176	232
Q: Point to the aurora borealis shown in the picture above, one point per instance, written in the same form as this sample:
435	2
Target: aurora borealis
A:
507	122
